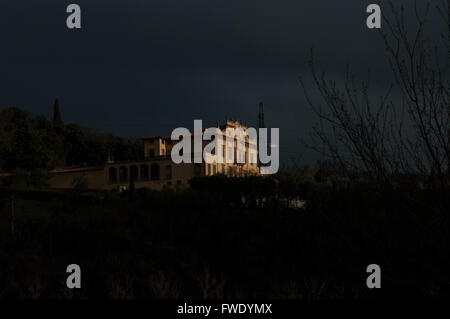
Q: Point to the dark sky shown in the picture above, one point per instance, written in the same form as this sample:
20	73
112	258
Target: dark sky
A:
144	67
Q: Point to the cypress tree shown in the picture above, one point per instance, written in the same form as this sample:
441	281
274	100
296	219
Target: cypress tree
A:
57	118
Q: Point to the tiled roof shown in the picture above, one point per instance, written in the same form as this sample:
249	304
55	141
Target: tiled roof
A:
77	169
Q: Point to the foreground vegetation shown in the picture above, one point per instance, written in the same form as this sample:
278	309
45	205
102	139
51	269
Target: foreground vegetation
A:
204	242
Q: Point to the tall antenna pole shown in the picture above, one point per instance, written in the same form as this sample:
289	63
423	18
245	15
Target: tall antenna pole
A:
261	115
261	124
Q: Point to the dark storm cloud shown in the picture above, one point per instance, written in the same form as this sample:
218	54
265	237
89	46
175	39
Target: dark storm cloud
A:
144	67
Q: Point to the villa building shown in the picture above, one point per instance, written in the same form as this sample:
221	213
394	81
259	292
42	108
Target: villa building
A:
157	170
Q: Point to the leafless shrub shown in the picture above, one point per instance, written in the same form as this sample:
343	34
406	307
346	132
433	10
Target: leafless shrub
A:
35	289
67	293
122	287
211	286
163	287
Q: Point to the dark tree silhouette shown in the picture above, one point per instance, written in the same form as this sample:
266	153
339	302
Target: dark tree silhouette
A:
377	137
57	117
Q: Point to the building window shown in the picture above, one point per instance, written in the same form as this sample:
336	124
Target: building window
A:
123	174
112	174
209	169
168	172
240	157
151	153
154	171
134	172
223	169
214	169
144	172
230	154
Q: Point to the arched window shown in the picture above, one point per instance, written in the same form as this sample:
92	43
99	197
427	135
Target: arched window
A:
112	175
168	172
144	172
155	171
134	172
123	174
